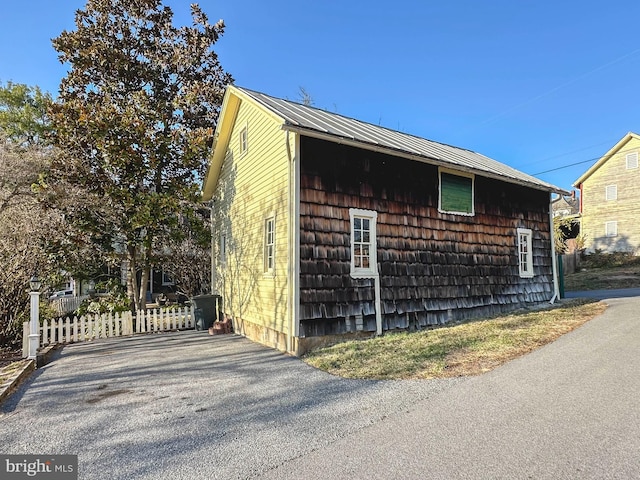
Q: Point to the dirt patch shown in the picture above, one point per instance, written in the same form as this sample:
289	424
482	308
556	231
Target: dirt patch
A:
8	356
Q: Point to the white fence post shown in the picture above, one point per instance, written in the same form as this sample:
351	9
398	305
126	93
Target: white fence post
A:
116	319
60	336
75	329
68	328
45	325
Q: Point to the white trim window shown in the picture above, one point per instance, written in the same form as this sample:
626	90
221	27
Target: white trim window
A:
456	192
632	160
244	140
611	192
611	229
223	249
525	253
363	243
269	245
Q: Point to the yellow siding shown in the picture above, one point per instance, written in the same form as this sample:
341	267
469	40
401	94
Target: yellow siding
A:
252	187
597	210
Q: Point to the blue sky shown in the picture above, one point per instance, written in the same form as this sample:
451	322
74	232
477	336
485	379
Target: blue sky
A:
536	85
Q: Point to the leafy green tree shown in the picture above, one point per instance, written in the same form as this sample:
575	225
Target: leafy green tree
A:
23	114
134	125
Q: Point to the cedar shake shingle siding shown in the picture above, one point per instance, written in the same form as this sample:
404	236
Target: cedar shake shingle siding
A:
433	267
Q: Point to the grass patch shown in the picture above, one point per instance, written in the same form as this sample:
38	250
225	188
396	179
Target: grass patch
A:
469	348
606	271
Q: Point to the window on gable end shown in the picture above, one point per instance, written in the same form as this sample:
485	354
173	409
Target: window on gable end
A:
456	193
525	253
632	160
244	142
611	192
611	229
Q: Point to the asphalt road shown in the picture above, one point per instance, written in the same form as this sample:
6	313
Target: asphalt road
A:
187	406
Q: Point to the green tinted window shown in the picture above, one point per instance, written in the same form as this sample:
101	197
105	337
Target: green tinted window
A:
456	193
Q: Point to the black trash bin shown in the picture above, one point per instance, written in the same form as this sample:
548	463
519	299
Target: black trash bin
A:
205	310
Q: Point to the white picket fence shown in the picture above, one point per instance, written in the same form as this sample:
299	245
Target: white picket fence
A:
90	327
64	305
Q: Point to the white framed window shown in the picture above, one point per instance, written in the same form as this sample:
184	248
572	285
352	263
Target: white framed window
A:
525	253
611	192
269	245
244	140
363	243
611	229
223	249
632	160
166	278
456	192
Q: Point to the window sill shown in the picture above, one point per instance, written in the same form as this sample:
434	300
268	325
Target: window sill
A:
464	214
364	274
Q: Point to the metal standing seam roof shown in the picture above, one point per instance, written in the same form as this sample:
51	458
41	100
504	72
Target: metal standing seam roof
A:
304	117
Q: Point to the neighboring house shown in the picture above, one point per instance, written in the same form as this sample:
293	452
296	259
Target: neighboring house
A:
609	196
325	226
565	206
566	210
160	284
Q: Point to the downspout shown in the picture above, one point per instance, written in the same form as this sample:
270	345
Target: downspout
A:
213	250
554	260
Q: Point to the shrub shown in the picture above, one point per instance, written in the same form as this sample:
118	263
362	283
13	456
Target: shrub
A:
600	259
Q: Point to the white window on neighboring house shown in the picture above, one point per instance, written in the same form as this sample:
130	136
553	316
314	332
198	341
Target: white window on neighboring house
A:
632	160
525	253
611	192
269	245
363	243
166	278
223	249
611	229
244	143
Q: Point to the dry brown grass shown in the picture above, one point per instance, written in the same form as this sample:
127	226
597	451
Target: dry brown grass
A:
7	371
464	349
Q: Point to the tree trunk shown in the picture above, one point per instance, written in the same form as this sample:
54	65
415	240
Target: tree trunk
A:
144	281
132	280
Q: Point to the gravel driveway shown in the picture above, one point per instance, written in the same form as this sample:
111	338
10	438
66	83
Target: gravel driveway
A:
189	406
186	405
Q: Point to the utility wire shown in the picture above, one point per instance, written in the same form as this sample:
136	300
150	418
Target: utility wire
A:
555	89
584	161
